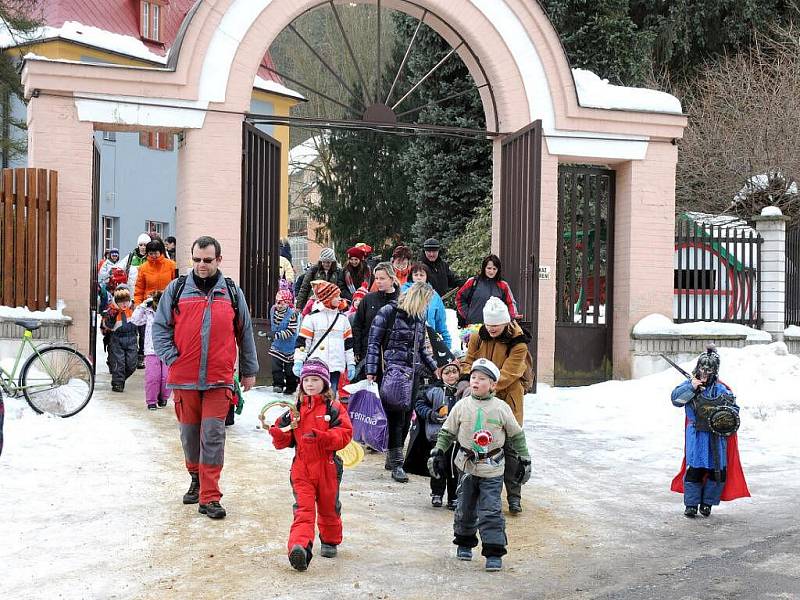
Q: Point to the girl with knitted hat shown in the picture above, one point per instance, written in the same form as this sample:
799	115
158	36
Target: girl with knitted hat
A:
325	333
356	272
326	269
284	324
322	428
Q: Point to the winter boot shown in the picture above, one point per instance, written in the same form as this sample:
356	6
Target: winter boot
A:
213	510
327	550
299	557
192	496
277	389
452	504
116	387
514	506
494	563
464	553
152	407
387	464
436	501
398	474
162	402
705	510
140	361
690	512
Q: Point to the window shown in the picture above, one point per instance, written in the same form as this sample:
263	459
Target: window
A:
299	247
109	136
110	226
157	140
150	19
160	228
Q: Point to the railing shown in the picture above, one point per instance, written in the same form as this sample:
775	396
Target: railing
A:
717	276
29	200
793	276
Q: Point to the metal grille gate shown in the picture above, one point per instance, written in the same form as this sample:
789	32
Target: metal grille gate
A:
584	275
793	276
261	180
95	241
521	175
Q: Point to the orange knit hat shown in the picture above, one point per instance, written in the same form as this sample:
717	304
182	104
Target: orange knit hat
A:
326	292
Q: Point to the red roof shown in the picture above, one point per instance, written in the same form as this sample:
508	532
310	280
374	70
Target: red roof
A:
122	17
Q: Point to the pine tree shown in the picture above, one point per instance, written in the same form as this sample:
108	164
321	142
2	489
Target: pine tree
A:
448	177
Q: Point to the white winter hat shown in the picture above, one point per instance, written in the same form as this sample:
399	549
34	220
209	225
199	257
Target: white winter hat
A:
143	239
487	367
327	254
495	312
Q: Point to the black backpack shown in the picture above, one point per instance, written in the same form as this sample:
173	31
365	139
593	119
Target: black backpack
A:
232	293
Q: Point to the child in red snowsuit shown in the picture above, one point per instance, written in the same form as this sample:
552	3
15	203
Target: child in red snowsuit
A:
322	428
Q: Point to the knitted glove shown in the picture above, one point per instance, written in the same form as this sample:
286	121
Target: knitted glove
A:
297	368
351	372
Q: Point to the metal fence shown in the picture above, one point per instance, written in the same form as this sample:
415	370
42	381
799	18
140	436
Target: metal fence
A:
717	275
793	276
28	199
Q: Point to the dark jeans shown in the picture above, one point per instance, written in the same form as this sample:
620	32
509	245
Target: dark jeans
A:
479	510
397	423
282	375
335	375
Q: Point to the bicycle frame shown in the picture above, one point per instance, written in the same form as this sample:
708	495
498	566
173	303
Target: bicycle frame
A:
8	381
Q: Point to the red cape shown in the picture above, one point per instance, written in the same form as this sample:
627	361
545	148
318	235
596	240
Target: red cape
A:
735	484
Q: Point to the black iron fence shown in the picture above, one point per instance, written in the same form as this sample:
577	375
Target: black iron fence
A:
793	276
717	275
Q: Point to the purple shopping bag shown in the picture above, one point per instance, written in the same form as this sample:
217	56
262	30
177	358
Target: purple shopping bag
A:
368	418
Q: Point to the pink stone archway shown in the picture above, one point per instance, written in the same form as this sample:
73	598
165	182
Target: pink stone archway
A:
207	85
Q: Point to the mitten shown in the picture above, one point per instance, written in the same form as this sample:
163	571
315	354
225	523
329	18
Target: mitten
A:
523	471
351	372
297	368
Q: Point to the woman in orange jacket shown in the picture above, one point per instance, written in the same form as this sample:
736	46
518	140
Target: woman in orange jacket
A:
155	274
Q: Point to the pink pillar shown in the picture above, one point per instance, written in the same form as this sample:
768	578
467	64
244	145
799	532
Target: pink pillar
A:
644	245
209	189
548	238
58	141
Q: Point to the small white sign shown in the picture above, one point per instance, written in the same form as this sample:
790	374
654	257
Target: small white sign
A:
544	272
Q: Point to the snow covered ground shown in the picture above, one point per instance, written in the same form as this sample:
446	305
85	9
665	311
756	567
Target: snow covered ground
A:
92	502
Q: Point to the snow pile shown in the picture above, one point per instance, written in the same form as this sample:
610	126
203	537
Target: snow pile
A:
792	331
22	312
599	93
657	324
771	211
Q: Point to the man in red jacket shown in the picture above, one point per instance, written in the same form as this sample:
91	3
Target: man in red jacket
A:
196	331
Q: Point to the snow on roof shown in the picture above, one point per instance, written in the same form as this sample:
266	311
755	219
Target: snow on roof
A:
594	92
276	88
305	154
657	324
728	221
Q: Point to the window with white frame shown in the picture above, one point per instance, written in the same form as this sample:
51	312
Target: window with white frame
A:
110	227
150	19
162	229
109	136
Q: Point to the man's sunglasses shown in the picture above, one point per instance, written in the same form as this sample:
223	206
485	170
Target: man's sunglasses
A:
206	260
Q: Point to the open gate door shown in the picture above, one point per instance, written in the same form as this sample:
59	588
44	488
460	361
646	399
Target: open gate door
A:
95	251
520	198
261	196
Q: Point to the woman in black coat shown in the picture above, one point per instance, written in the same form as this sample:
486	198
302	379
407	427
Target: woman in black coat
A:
388	292
396	332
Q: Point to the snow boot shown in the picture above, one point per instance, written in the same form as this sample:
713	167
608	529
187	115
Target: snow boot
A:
140	361
705	510
494	563
464	553
327	550
162	402
213	510
277	389
152	407
690	512
299	557
436	501
192	496
514	507
452	504
387	464
398	474
115	387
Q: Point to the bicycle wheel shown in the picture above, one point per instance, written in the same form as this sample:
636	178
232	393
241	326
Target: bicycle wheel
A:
58	380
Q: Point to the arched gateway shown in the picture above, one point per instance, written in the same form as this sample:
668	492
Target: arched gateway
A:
532	97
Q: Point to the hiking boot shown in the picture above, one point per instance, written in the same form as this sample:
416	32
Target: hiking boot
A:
192	495
452	504
152	407
298	558
327	550
399	475
140	362
162	402
514	507
690	512
213	510
705	510
115	387
494	563
277	389
464	553
436	501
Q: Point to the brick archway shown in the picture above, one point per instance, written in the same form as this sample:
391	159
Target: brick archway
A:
206	86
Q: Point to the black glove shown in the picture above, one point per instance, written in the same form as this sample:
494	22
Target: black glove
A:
148	301
523	473
284	420
435	466
435	417
270	336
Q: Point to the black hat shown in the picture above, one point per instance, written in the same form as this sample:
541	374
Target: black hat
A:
431	244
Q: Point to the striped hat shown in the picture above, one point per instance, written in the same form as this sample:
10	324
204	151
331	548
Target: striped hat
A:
317	368
327	254
325	292
285	295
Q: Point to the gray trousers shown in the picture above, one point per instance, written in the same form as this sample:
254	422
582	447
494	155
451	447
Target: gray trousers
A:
479	509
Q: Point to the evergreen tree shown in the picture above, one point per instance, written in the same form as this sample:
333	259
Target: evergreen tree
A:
601	36
448	177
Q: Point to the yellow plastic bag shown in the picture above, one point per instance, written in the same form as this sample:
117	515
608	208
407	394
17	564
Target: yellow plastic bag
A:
351	455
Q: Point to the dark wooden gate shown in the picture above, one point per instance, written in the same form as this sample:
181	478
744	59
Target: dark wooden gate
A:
584	275
520	190
95	240
261	192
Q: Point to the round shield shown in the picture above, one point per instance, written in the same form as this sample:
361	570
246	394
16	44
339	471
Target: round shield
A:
352	454
723	421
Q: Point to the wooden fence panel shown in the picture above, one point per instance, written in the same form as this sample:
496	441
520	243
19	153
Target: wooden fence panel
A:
29	238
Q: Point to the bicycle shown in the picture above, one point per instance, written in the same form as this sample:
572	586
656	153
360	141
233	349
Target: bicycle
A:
54	379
